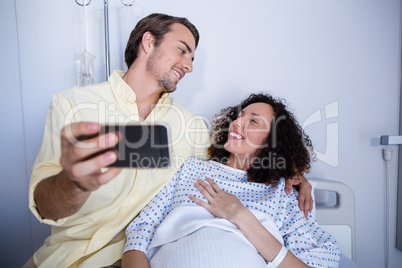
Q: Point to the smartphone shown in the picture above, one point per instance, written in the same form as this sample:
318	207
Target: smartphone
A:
141	146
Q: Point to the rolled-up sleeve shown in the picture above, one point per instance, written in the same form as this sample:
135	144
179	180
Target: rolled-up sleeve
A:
47	162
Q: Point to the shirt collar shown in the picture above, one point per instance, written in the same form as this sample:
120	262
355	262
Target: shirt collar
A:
124	94
163	100
121	90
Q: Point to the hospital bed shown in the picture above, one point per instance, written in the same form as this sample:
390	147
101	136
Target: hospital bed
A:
335	212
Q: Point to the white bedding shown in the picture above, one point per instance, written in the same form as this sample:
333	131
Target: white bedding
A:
185	220
211	244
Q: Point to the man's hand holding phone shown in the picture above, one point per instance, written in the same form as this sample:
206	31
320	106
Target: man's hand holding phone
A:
86	149
84	152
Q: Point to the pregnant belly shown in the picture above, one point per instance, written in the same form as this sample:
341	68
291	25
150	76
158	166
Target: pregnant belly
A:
207	247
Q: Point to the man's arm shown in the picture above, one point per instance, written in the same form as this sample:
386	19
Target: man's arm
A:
64	194
305	199
56	197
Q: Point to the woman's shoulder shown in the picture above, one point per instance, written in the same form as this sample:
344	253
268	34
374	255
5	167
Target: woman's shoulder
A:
195	162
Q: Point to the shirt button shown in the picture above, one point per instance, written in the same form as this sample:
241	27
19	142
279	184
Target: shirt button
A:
131	202
115	222
96	243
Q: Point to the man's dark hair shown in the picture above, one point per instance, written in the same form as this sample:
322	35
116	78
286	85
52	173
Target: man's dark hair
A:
158	25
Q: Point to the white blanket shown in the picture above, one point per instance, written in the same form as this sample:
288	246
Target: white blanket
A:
186	219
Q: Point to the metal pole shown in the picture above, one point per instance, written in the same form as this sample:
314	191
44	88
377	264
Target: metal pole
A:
106	19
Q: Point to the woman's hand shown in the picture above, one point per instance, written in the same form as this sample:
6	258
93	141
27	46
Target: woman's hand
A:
221	204
225	205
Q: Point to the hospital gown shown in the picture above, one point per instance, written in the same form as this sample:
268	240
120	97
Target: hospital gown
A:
173	231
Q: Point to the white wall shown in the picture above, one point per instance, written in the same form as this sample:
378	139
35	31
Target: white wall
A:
313	53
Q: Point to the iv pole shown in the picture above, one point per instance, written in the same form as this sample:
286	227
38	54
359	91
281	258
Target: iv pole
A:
107	54
106	21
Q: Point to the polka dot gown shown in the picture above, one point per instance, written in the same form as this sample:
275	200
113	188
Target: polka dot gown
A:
304	238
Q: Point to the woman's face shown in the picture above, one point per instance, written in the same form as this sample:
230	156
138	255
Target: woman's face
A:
249	132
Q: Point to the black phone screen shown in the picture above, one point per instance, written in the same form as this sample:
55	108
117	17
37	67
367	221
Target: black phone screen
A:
141	146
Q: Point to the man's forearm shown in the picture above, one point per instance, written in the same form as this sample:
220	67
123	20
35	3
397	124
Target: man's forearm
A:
58	197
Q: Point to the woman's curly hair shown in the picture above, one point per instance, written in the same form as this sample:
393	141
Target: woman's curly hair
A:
286	153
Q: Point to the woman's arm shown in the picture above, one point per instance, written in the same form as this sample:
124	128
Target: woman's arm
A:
140	231
319	248
134	258
265	243
225	205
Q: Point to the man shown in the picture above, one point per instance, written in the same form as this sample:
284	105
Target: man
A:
88	205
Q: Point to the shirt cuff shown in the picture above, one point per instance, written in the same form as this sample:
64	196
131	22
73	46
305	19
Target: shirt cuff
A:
32	204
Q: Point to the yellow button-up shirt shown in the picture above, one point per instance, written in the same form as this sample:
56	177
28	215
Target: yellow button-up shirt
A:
95	235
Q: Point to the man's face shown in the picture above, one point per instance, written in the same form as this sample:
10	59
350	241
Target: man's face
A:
173	58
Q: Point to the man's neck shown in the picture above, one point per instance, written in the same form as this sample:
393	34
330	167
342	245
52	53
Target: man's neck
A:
147	92
146	103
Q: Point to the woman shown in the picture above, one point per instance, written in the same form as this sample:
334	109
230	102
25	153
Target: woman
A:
232	211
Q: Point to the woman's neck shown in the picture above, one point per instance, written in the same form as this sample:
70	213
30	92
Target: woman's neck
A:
238	162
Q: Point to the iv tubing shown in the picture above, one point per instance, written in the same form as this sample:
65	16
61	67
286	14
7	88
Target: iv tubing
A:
386	214
387	154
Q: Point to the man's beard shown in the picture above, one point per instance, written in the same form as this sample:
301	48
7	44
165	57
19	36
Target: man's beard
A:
167	85
164	81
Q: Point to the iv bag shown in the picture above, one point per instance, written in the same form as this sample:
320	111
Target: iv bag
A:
84	68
